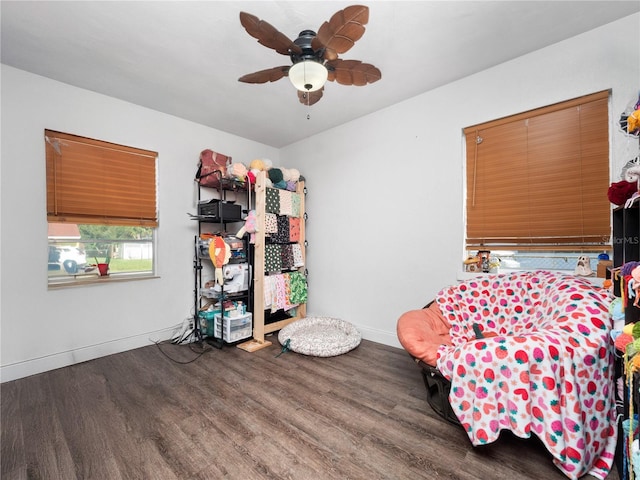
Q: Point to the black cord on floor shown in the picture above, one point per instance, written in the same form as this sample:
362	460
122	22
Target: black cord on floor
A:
199	353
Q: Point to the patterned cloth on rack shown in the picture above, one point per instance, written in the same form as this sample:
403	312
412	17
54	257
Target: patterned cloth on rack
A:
284	291
273	258
294	229
298	260
272	200
287	288
295	205
270	223
287	256
279	292
298	288
268	291
286	202
282	235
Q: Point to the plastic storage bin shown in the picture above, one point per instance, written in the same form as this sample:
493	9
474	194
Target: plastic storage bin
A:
235	328
207	321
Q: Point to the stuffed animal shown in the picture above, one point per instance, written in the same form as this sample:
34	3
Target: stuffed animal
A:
276	177
583	266
237	171
635	275
632	175
255	167
292	178
472	264
620	192
630	118
257	164
250	226
291	186
294	175
633	123
219	252
630	170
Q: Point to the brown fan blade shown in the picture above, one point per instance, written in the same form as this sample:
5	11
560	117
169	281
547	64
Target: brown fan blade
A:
340	33
264	76
310	98
353	72
267	35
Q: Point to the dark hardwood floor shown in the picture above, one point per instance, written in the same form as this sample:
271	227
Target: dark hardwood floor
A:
238	415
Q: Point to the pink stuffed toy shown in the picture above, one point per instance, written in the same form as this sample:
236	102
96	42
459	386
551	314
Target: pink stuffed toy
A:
635	274
250	226
237	171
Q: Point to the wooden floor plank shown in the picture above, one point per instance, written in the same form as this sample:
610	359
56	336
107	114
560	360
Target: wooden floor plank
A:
11	436
178	412
44	447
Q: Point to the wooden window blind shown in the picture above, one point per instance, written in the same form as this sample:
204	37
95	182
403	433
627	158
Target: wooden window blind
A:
538	180
96	182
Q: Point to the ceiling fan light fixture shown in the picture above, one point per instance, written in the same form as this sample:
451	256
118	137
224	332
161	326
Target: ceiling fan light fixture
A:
308	75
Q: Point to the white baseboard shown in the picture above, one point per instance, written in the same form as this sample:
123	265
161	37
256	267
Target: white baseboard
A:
71	357
379	336
34	366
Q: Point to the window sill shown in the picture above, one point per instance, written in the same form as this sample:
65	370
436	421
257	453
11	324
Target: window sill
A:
95	280
461	276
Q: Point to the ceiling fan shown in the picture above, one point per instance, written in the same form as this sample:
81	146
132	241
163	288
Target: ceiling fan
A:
314	56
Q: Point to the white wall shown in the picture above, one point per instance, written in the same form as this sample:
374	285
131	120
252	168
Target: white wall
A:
44	329
386	200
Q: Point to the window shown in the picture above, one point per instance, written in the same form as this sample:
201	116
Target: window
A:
101	208
537	183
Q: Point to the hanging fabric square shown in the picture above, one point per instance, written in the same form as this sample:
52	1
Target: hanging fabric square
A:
273	258
272	200
287	288
287	256
283	230
268	291
295	204
298	260
286	204
298	288
270	223
279	299
294	229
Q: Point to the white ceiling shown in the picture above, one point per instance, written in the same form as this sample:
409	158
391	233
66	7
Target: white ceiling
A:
184	58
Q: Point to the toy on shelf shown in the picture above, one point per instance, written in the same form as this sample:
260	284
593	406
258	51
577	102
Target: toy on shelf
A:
250	226
237	171
479	263
219	252
633	123
583	266
630	118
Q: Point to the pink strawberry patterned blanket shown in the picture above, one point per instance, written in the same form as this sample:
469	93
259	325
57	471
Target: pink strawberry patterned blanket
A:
531	353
